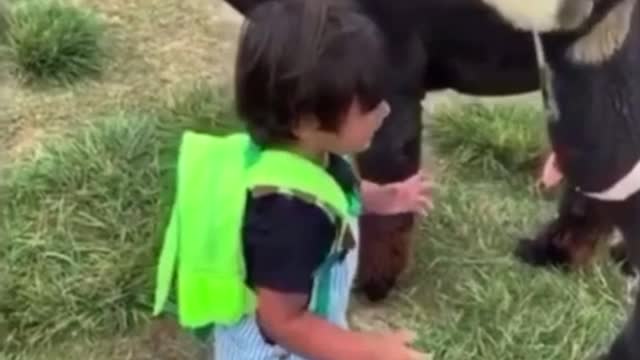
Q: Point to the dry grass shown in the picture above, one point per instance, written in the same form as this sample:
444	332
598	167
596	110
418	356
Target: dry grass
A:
157	45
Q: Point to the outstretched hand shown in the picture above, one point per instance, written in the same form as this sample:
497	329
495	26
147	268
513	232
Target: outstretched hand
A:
411	195
396	346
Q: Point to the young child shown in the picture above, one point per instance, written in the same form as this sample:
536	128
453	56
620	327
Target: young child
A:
309	87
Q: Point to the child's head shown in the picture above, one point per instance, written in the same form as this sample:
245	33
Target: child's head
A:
311	71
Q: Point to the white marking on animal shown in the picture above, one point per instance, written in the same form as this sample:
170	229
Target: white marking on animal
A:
542	15
606	37
632	285
623	189
537	15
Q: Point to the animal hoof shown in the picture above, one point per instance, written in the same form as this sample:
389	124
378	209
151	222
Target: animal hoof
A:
378	290
539	253
525	251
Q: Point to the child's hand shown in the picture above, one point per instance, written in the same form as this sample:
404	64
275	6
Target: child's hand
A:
410	195
395	346
413	195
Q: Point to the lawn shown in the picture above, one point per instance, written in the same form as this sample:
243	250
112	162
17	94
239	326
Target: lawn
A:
90	151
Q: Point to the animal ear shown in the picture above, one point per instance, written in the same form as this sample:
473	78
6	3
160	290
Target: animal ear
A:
542	15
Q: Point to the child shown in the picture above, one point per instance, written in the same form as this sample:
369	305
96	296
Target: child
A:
309	87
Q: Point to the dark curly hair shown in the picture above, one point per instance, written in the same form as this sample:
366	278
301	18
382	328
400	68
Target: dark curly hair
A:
301	57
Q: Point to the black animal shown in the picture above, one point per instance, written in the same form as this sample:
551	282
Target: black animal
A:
489	55
485	47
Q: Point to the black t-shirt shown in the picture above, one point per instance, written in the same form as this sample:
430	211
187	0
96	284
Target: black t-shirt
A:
285	239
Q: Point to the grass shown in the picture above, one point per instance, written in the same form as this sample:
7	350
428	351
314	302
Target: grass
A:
477	300
154	48
487	138
76	251
483	304
51	41
83	218
75	210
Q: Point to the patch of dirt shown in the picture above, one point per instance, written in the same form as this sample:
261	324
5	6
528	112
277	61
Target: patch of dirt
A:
25	138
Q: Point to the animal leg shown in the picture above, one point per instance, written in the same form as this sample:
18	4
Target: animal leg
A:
569	240
394	155
386	239
626	345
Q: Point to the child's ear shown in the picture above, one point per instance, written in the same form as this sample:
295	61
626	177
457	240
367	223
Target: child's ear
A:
307	126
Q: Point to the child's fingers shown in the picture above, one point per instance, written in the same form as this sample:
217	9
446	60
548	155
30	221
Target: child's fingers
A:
429	204
423	206
425	201
405	336
416	355
425	211
429	184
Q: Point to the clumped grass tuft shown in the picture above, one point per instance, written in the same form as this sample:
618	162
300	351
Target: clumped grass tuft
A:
494	140
51	41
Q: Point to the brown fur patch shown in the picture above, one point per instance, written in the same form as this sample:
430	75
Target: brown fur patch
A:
606	37
385	249
581	249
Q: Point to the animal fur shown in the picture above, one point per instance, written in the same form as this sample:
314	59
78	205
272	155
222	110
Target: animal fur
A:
542	15
606	37
569	240
386	256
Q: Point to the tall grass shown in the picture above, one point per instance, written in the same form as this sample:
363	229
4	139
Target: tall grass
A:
52	41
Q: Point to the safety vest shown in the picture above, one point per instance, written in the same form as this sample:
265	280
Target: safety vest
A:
202	253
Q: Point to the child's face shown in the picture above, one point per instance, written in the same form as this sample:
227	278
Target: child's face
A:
357	130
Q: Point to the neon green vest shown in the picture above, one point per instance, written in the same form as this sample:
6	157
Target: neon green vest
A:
202	245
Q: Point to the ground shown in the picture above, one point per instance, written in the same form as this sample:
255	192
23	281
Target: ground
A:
465	295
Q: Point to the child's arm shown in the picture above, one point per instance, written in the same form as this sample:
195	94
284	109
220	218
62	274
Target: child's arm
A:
285	241
285	319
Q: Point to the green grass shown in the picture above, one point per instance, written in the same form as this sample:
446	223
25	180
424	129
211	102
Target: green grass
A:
483	304
4	20
54	42
81	221
83	218
497	141
479	301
